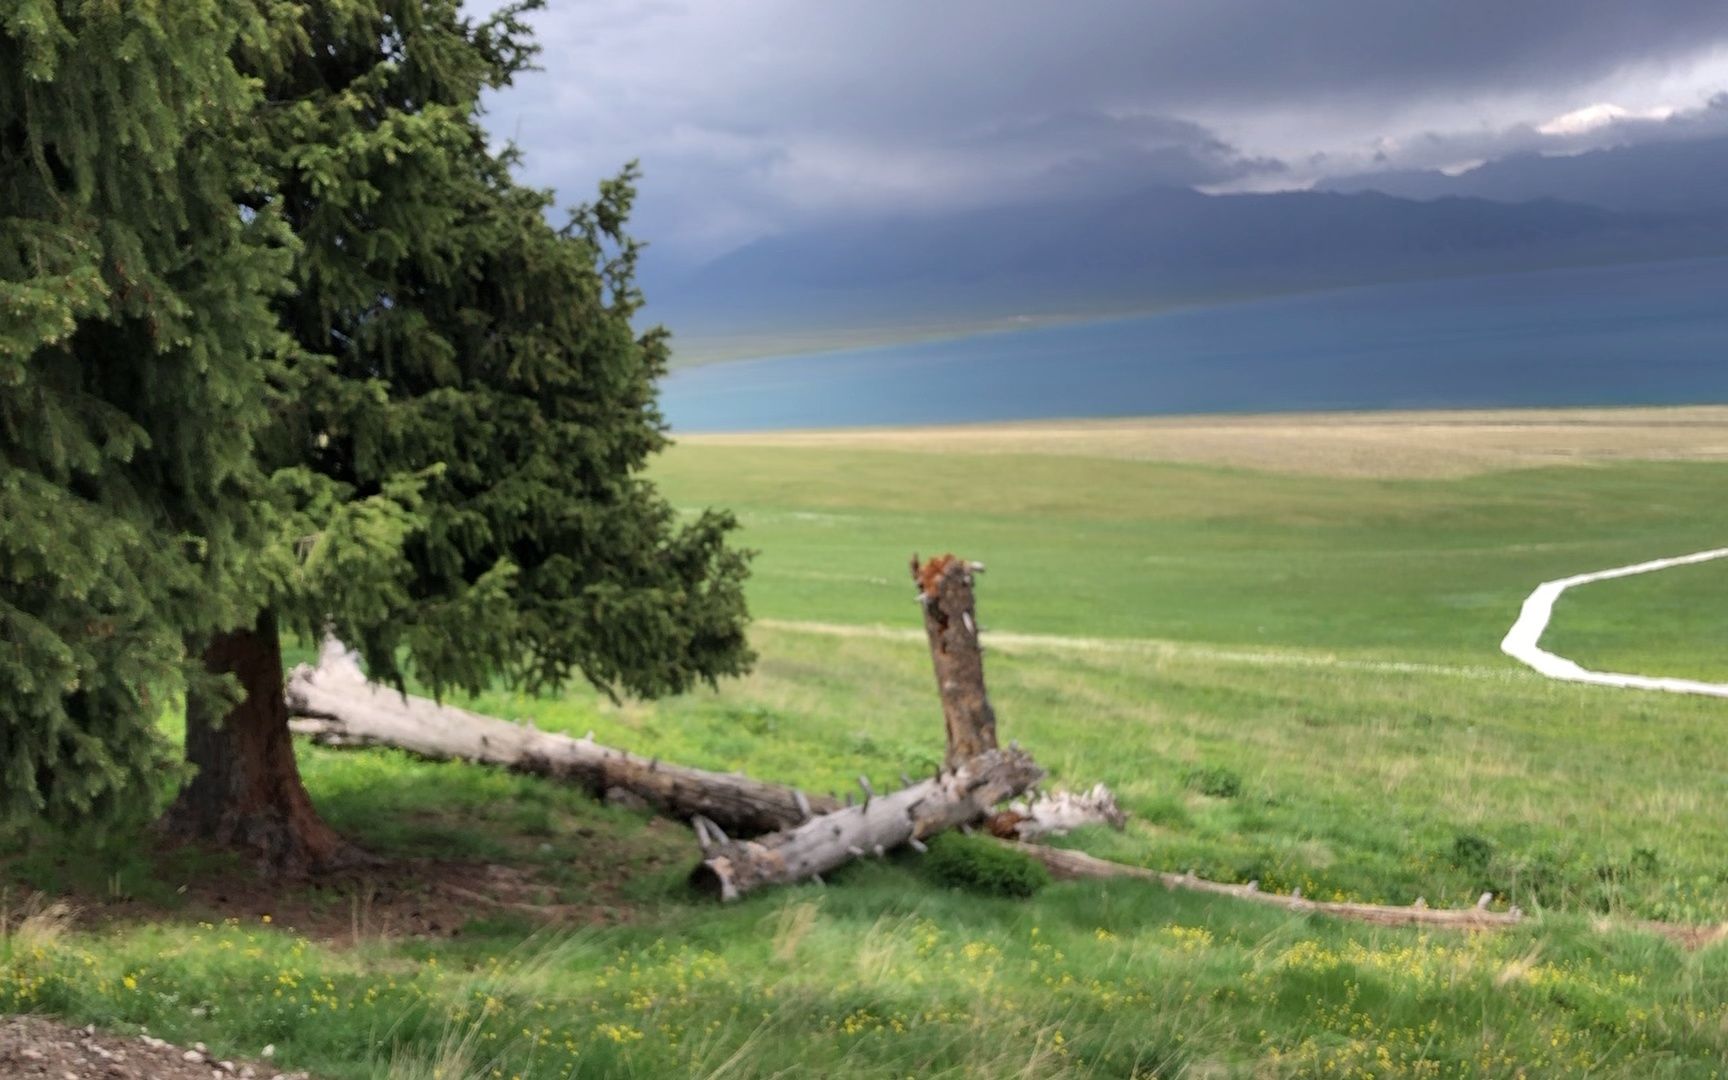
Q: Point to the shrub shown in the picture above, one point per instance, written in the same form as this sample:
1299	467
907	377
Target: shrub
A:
755	719
1214	780
1472	851
1166	810
979	864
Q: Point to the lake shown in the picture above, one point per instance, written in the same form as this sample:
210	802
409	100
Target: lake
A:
1637	334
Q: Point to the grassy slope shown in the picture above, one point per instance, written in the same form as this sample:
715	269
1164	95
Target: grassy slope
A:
1412	569
1670	623
1253	626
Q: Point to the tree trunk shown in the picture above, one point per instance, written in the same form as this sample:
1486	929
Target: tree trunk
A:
247	792
945	592
729	869
339	707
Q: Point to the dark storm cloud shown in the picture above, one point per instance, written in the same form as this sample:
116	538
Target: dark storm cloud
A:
752	114
1077	152
955	57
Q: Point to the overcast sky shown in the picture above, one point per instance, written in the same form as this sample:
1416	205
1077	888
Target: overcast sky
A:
751	116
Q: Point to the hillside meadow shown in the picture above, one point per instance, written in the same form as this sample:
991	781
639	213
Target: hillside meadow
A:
1275	639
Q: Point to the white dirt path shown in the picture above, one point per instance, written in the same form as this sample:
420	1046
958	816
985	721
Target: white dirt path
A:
1014	642
1522	642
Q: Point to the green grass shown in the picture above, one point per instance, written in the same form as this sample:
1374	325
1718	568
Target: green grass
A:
1291	679
1670	622
1413	569
883	974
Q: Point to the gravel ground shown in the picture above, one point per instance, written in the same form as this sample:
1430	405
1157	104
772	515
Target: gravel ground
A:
31	1046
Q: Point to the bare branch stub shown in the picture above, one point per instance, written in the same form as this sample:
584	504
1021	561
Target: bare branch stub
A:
951	622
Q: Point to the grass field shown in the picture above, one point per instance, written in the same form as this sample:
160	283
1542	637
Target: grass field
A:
1288	672
1670	623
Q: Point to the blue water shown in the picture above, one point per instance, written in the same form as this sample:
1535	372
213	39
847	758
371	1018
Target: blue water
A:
1620	335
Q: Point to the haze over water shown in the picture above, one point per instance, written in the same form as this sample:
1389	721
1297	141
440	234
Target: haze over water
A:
1637	334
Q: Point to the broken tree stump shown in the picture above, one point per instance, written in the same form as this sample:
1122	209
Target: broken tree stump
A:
337	706
951	622
955	797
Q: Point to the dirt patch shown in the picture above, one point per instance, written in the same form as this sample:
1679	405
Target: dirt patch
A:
580	866
31	1046
401	898
405	898
1382	444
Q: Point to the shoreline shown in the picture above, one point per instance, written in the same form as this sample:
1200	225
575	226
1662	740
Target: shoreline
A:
1394	443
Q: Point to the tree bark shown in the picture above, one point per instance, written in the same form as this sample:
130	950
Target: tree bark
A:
247	792
945	592
338	707
956	797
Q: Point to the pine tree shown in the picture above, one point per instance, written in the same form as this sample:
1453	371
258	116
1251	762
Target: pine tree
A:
136	339
460	463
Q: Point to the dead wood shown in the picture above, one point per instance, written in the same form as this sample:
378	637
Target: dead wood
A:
1056	813
951	623
336	706
953	798
1078	864
1063	863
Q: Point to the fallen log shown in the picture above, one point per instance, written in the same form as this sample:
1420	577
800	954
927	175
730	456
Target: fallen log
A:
975	777
1063	863
951	623
1056	813
336	706
1069	865
954	797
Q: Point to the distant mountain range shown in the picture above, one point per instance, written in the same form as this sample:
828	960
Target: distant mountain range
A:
1674	178
1169	246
